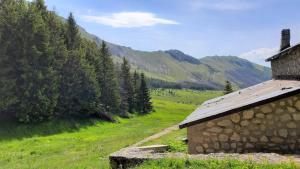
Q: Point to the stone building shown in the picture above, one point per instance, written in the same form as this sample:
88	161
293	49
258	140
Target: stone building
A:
261	118
285	64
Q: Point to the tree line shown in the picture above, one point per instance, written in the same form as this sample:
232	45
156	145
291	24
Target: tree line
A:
47	69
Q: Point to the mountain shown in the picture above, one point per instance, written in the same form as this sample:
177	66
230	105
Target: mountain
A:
237	70
180	56
174	66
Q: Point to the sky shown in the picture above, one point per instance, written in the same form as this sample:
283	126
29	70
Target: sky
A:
246	28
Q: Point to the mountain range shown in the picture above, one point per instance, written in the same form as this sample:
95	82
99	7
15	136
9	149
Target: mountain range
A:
174	66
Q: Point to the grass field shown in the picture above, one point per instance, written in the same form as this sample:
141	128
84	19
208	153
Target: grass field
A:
173	140
184	96
75	143
211	164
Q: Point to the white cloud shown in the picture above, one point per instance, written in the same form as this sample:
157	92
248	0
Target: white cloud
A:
129	19
222	5
259	55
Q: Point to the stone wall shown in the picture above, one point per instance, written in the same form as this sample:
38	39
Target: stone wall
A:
287	65
273	127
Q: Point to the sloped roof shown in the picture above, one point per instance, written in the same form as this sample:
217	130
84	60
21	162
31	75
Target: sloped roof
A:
250	97
283	52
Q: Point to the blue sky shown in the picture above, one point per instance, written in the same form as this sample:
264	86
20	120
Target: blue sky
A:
249	29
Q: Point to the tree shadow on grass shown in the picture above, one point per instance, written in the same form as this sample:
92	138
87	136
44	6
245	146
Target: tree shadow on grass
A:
12	129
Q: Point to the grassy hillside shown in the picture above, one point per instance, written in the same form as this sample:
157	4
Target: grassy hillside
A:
210	72
175	66
72	143
239	71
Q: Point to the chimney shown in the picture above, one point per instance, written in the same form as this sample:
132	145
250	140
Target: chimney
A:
285	39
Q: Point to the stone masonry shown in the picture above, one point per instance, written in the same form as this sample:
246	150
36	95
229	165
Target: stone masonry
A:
273	127
287	66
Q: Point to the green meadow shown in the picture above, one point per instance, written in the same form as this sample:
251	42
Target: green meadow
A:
174	140
78	143
211	164
86	144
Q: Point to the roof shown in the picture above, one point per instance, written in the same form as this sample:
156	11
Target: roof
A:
247	98
281	53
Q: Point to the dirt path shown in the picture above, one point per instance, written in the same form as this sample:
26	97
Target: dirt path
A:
157	135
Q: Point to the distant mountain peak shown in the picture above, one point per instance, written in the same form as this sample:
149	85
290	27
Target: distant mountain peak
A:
180	56
175	66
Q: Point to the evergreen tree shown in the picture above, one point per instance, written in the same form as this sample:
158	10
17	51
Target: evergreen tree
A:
72	33
91	53
110	96
11	15
136	89
47	70
60	53
79	90
30	59
40	5
228	87
144	100
126	88
58	45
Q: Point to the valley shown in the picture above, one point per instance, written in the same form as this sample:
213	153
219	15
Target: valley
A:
209	72
158	85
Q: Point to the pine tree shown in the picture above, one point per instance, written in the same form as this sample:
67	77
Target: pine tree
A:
72	33
228	87
47	70
36	97
144	102
40	5
126	88
110	96
136	89
57	41
11	14
91	52
79	91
